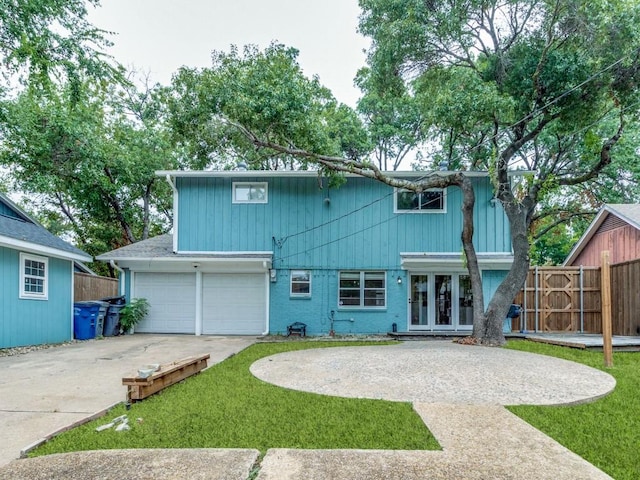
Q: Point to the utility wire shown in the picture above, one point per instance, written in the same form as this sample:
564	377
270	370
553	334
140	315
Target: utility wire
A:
496	136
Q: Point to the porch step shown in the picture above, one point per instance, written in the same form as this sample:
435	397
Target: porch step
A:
440	334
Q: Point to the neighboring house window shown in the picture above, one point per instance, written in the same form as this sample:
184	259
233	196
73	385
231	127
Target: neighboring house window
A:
362	289
250	192
429	201
34	272
300	283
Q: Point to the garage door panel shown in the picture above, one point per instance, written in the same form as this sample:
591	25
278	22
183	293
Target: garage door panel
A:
233	304
172	298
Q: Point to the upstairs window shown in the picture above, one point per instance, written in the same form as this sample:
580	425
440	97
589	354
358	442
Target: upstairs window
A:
34	273
300	283
362	290
250	192
429	201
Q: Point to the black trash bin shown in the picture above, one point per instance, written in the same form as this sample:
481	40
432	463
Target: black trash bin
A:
112	319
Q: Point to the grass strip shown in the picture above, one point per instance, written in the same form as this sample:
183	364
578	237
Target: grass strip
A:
227	407
606	432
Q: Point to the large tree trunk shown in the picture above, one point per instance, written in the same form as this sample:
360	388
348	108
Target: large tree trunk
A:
479	319
513	282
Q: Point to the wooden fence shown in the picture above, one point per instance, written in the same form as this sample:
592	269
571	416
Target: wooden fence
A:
625	298
93	287
568	299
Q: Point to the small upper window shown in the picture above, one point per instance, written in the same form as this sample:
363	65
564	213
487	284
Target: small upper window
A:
34	272
429	201
250	192
300	283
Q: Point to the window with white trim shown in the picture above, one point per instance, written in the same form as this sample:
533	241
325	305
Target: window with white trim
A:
362	290
300	283
429	201
34	273
250	192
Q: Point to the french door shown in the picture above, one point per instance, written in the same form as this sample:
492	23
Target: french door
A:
440	301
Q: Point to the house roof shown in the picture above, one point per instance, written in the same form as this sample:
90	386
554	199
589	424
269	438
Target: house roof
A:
630	213
161	248
23	232
314	173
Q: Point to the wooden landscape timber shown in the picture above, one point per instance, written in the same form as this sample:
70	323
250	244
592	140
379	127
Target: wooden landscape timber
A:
139	388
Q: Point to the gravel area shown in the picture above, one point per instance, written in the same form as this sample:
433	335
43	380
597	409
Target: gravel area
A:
10	352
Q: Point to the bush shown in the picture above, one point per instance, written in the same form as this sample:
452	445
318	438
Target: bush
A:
132	313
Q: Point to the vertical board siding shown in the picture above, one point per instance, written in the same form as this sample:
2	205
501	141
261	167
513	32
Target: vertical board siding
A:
328	230
357	228
625	299
32	322
623	244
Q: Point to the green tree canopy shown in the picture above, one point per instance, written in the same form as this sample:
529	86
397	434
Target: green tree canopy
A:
87	160
264	91
51	40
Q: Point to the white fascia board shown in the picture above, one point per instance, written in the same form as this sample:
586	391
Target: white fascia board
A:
223	254
454	261
307	173
587	235
191	264
41	250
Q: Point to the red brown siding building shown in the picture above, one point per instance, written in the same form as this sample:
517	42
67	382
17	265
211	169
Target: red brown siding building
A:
616	228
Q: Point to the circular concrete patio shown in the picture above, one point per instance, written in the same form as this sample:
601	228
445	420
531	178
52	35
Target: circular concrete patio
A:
436	372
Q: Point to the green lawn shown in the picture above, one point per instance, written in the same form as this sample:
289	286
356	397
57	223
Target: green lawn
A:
226	407
605	432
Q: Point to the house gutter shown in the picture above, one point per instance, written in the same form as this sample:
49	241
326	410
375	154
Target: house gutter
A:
123	277
175	210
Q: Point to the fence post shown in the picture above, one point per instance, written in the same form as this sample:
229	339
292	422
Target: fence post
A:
605	292
537	293
581	299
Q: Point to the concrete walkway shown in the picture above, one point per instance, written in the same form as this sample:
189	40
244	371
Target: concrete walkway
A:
457	390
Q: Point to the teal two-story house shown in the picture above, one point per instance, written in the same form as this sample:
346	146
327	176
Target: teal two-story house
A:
255	251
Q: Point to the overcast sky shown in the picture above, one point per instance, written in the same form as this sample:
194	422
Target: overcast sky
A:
159	36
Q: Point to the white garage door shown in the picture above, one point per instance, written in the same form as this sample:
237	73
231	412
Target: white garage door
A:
234	304
172	298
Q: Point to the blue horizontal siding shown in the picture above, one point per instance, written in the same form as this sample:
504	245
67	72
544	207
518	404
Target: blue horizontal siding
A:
33	322
353	226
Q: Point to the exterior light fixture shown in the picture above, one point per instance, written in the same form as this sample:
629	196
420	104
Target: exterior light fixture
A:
399	280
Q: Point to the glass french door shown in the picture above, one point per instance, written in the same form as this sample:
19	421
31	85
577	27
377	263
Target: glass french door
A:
440	301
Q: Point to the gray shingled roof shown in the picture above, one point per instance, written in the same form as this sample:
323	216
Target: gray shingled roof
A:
628	212
36	234
162	247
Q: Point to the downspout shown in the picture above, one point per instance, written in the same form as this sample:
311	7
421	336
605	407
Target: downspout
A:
268	300
175	212
123	277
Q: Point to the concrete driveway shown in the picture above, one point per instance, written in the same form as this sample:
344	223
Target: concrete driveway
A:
46	390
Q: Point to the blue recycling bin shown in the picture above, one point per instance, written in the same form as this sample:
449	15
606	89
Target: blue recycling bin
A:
88	319
85	318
